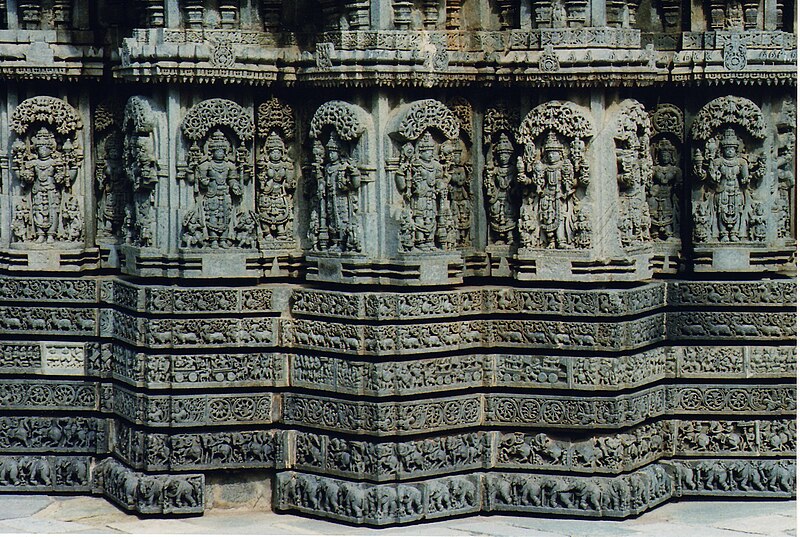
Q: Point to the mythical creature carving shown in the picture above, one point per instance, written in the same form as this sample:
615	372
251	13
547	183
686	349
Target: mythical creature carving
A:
141	170
554	178
335	223
276	173
46	157
728	167
662	192
218	169
423	176
499	176
634	172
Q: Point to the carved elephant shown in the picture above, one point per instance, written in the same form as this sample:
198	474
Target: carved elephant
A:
382	502
74	472
684	475
778	476
409	500
462	493
37	471
619	497
328	497
150	492
181	493
531	492
438	496
588	495
352	500
715	474
501	491
9	471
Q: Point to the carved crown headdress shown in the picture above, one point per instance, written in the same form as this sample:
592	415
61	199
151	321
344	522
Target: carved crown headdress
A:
552	143
218	140
729	138
426	142
664	145
504	144
274	142
44	138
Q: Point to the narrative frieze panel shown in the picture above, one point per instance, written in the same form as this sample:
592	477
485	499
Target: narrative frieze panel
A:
734	362
262	448
780	293
48	320
43	358
469	334
478	301
762	326
193	370
33	434
44	473
187	410
149	494
61	290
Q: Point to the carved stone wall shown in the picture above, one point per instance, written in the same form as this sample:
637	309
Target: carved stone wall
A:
404	260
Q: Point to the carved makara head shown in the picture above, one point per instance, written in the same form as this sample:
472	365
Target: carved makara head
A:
553	148
44	141
218	145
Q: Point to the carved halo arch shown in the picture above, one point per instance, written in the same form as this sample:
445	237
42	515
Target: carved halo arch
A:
566	118
729	110
413	119
350	122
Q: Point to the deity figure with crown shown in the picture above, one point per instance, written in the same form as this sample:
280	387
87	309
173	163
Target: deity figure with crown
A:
113	186
275	205
547	215
218	180
47	175
422	182
498	182
335	223
729	175
662	199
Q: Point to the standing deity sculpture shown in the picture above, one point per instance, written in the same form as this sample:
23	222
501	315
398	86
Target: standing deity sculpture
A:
422	181
553	174
113	188
219	183
663	192
728	173
336	178
547	217
634	172
338	181
498	181
431	179
785	178
46	166
217	170
277	179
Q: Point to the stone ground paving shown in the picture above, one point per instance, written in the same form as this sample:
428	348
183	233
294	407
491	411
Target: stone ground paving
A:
48	514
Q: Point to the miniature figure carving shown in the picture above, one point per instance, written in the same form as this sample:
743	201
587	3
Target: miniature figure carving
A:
663	192
113	187
277	182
